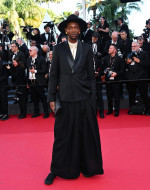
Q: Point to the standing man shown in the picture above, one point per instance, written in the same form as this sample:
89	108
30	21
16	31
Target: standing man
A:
114	68
37	68
77	143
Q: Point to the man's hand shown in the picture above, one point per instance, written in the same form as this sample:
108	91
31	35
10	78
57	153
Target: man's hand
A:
136	60
114	74
52	106
129	61
32	70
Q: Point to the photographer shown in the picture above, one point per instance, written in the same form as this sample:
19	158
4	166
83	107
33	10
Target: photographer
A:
37	68
103	30
146	34
6	35
98	68
137	66
3	90
16	53
17	71
123	26
113	70
47	37
35	36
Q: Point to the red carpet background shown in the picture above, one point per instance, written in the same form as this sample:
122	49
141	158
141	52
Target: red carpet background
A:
26	148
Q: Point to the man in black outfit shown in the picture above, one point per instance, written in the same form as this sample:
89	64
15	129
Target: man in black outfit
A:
87	35
98	68
123	26
47	38
37	68
114	68
137	68
77	143
3	91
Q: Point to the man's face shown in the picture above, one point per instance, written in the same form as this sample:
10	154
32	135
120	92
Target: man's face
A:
94	39
114	38
32	52
123	35
88	25
50	55
1	48
140	43
14	48
33	43
73	30
111	50
47	29
135	47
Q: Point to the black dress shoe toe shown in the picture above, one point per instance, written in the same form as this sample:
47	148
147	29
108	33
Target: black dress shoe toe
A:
49	179
35	115
46	115
116	114
21	116
101	115
109	112
1	115
5	117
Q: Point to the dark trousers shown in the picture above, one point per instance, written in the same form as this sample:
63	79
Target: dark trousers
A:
99	100
3	101
77	142
143	90
23	101
37	94
113	92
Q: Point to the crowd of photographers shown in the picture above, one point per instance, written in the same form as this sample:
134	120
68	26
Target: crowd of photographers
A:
116	58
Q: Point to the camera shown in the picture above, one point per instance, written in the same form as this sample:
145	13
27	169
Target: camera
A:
17	94
32	67
132	54
108	72
116	22
146	34
50	24
26	28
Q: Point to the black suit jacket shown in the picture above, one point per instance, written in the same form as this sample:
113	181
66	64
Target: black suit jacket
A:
125	47
75	78
88	36
41	68
50	38
3	74
139	70
118	66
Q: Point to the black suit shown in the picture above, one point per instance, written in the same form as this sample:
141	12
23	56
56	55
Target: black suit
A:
138	71
125	47
77	142
49	41
87	36
37	86
23	48
3	89
113	89
19	55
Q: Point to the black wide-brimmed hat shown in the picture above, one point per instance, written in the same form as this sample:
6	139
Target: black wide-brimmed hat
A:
72	18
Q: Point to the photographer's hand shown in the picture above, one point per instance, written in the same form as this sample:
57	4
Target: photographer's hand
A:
8	67
114	74
52	106
136	60
129	61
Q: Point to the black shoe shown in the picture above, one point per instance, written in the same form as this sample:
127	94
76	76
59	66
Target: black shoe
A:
21	116
50	178
109	112
4	117
1	115
129	112
35	115
116	114
101	115
147	113
46	115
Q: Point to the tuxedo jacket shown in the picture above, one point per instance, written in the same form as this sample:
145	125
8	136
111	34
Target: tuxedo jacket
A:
41	67
75	79
50	38
125	47
118	66
20	55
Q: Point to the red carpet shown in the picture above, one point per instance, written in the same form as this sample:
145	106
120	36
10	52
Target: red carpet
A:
26	147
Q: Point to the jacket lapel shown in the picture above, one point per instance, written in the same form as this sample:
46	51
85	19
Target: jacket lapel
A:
78	56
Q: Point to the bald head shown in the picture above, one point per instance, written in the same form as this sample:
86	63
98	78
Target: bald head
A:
45	48
114	36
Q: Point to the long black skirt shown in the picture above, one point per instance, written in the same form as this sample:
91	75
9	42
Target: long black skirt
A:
77	142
